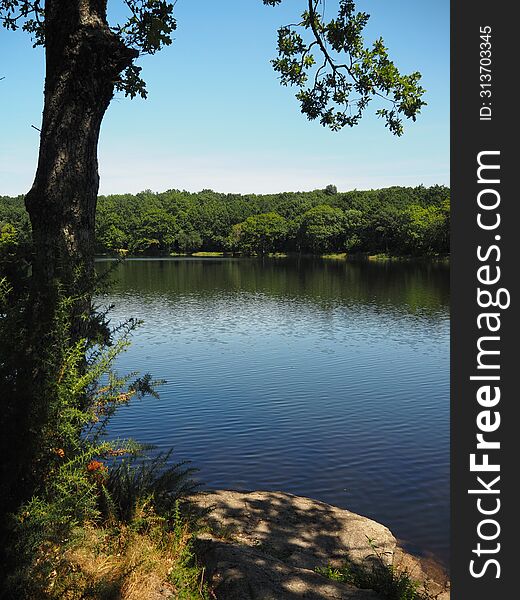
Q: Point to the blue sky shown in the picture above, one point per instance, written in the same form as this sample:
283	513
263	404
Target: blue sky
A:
216	116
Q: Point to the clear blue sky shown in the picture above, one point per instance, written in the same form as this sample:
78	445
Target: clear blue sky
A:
216	116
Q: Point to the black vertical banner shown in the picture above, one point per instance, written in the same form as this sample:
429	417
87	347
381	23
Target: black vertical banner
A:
485	355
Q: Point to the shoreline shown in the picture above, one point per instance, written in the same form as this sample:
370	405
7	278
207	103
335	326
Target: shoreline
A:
277	255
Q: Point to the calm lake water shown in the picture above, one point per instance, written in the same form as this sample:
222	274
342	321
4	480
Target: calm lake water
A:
317	377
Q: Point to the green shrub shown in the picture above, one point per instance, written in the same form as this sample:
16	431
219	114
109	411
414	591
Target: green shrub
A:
131	484
387	579
94	497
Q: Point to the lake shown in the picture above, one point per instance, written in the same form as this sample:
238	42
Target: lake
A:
320	377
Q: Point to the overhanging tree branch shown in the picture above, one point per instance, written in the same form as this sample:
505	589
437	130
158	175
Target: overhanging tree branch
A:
347	66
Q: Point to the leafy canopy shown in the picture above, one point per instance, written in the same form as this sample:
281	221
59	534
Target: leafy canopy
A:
149	27
336	73
399	221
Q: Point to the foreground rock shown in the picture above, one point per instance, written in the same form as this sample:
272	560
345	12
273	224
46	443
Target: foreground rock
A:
238	572
267	545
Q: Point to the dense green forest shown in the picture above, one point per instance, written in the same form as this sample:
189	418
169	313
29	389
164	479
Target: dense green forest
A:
399	221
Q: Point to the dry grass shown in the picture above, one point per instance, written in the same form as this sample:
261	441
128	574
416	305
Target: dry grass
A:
128	562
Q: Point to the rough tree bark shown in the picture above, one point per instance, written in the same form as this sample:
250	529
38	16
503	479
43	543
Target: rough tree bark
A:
84	59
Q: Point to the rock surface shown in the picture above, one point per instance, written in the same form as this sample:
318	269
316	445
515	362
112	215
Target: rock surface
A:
267	545
239	572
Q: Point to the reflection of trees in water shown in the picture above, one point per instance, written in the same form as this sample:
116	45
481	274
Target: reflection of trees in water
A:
408	286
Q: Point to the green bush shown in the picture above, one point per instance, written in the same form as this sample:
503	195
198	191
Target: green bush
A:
387	579
130	484
90	494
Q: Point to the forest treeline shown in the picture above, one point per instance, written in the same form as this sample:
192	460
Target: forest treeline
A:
398	221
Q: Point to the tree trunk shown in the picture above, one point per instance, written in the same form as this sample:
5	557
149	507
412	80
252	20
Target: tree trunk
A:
84	59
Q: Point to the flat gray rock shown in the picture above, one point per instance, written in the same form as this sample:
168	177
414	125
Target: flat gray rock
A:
240	572
267	545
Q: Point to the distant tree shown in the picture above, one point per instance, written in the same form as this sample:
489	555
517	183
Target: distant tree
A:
154	233
112	238
187	240
323	229
428	228
353	225
386	226
331	190
8	237
259	234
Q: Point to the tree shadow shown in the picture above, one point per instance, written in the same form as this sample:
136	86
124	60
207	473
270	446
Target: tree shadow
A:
275	541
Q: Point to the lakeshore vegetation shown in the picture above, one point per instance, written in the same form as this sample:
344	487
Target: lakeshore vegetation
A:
399	221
